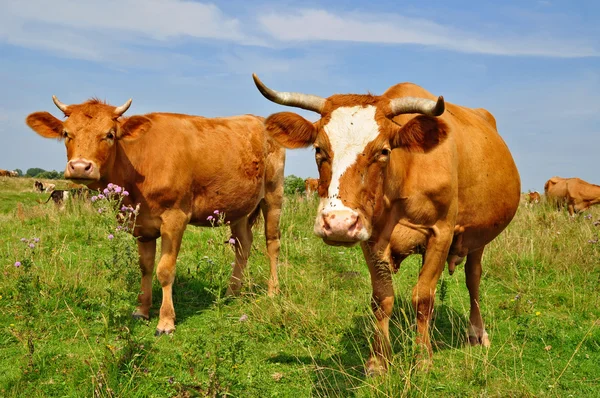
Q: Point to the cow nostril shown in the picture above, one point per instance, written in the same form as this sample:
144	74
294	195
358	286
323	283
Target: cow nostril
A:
326	225
88	167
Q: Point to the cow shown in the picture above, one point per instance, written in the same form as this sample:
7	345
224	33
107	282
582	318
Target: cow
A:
13	173
180	169
8	173
60	196
532	198
405	173
38	186
574	193
310	186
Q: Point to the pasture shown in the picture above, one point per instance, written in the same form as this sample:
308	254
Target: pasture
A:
65	329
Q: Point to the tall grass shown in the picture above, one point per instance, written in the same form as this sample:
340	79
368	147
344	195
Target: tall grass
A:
539	297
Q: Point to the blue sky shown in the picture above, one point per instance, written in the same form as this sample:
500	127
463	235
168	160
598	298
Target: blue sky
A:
534	64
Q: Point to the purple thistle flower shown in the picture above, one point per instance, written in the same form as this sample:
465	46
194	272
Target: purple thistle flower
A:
232	241
23	240
124	208
125	193
244	318
99	211
110	237
210	218
31	245
36	240
94	198
118	189
216	212
110	185
101	196
18	264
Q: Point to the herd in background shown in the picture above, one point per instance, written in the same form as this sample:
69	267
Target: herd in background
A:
574	194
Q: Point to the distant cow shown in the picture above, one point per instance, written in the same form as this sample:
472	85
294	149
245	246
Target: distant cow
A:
578	195
405	173
180	169
41	187
4	173
533	197
13	173
60	196
311	185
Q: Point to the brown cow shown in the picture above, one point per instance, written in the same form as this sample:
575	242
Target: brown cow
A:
4	173
180	169
311	185
533	197
578	195
439	184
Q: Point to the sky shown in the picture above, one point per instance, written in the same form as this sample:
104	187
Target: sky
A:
534	64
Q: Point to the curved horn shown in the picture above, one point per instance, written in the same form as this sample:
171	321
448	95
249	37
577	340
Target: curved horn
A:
59	104
305	101
417	105
121	109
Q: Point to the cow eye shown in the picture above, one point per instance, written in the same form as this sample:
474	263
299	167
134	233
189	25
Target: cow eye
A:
317	150
110	135
65	134
385	152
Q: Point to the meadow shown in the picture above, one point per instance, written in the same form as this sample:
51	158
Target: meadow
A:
65	328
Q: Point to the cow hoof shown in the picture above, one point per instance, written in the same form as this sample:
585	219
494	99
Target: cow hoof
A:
482	340
374	368
168	332
139	315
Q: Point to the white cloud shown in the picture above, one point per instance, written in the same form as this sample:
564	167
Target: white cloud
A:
321	25
114	30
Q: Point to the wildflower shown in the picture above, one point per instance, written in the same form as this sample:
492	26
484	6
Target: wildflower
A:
110	236
23	240
36	240
99	211
106	191
110	185
588	216
101	196
210	218
231	241
216	212
18	264
123	208
31	245
125	193
94	198
244	318
538	313
118	189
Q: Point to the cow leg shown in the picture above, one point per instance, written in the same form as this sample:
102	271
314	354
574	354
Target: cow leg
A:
171	231
147	253
241	231
477	333
423	295
271	208
382	303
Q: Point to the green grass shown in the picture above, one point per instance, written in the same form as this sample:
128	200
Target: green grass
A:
539	291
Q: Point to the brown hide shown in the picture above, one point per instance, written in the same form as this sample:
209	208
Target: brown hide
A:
439	186
180	169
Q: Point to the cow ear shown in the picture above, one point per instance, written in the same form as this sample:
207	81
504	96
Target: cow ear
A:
45	125
134	127
291	130
420	134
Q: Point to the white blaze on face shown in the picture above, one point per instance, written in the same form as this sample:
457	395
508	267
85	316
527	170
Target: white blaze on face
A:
349	130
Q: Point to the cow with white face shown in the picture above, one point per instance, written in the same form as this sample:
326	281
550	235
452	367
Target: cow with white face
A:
405	173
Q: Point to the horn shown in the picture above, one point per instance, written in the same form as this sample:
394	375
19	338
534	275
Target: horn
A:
417	105
121	109
305	101
59	104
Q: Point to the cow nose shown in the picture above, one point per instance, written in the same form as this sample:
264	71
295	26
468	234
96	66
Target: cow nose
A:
80	168
343	225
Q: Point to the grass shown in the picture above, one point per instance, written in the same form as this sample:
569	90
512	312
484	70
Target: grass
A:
539	292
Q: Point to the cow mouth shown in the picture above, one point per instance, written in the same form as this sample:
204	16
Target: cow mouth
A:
340	242
82	181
